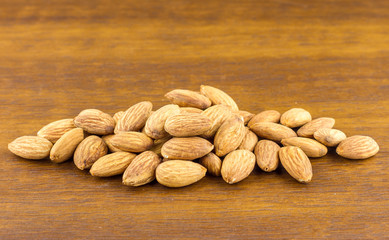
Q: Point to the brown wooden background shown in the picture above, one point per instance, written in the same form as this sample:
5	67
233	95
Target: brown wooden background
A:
329	57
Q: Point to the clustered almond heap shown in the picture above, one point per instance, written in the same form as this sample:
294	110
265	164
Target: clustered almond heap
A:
205	127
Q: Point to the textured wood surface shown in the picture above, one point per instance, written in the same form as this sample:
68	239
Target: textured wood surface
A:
329	57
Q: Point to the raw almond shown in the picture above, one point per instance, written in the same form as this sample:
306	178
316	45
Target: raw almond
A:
218	114
329	137
108	141
30	147
188	148
53	131
212	163
117	116
64	148
95	121
187	98
358	147
247	116
249	141
296	163
295	117
134	118
112	164
237	165
154	127
186	125
158	143
132	141
311	147
311	127
190	110
217	96
88	151
265	116
141	170
229	136
272	131
266	153
177	173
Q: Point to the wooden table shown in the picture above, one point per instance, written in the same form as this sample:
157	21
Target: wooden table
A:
329	57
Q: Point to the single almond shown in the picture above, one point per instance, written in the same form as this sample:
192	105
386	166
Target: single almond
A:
188	148
190	110
112	164
249	141
311	147
229	136
134	118
187	125
132	141
218	96
272	131
177	173
358	147
155	124
141	170
31	147
64	148
311	127
117	116
158	143
265	116
296	163
247	116
329	137
212	163
218	114
108	141
54	130
295	117
95	121
237	165
88	151
266	153
187	98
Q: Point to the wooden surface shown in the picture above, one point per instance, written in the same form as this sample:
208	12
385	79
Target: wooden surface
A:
329	57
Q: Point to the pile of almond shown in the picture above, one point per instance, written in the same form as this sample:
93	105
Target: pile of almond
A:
198	133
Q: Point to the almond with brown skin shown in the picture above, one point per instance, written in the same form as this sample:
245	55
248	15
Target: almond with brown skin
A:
158	143
88	151
218	114
247	116
31	147
218	96
117	116
295	117
229	136
187	125
190	110
212	163
237	165
53	131
132	141
329	137
177	173
187	98
154	127
112	164
188	148
265	116
249	141
311	147
272	131
108	141
311	127
134	118
296	163
266	153
95	121
64	148
358	147
141	170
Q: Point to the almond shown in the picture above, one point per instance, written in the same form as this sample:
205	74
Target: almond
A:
265	116
229	136
30	147
108	141
64	148
117	116
134	118
187	98
218	114
212	163
311	127
249	141
141	170
177	173
329	137
295	117
237	165
247	116
186	125
311	148
217	96
112	164
53	131
154	127
158	143
186	148
358	147
266	153
132	141
88	151
272	131
95	121
190	110
296	163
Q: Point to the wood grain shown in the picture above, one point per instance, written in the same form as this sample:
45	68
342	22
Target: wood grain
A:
329	57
